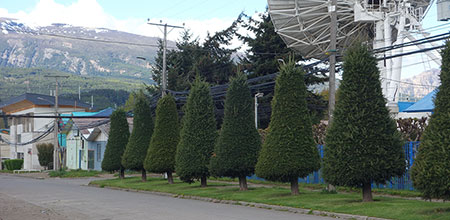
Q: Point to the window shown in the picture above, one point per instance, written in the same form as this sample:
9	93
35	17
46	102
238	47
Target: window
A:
19	138
99	152
20	156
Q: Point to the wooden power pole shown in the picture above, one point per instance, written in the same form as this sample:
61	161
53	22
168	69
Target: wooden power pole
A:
56	148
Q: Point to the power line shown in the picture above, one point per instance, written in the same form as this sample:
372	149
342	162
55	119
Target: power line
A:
412	52
100	40
403	82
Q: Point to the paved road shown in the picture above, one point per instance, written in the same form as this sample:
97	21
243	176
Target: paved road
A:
72	199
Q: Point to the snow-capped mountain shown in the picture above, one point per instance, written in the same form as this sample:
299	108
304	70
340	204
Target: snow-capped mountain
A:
420	85
72	49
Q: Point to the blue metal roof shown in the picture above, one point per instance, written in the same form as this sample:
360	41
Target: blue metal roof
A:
402	106
426	104
105	112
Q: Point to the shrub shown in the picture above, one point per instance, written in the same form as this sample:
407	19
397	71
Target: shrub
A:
362	144
431	170
136	149
289	151
45	154
117	141
238	138
198	135
163	145
14	164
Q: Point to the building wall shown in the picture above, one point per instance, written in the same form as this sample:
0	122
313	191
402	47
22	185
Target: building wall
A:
76	151
27	129
99	150
5	148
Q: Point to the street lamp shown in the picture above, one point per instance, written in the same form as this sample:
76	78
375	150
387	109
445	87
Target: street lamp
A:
148	64
257	95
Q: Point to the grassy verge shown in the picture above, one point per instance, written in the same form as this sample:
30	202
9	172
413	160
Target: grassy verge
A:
6	171
350	203
320	187
74	173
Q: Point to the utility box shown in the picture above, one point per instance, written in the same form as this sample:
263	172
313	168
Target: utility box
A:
443	10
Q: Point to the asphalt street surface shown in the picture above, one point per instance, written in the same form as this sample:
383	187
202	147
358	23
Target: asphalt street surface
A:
73	199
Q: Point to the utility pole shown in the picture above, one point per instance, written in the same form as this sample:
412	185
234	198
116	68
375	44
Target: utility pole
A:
332	52
332	78
164	74
56	149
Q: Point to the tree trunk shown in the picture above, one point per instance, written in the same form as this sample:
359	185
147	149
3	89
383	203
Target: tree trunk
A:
367	192
144	175
170	177
203	181
243	183
294	186
122	173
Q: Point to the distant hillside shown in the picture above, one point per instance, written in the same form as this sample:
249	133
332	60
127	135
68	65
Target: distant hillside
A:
25	47
420	85
16	81
102	98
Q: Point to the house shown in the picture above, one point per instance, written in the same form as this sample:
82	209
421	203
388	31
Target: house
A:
85	144
86	141
27	132
4	147
422	108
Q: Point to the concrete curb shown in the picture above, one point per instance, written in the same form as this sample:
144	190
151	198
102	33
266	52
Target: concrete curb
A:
249	204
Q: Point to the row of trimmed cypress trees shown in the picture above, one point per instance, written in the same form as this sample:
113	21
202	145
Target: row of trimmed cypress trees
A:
362	144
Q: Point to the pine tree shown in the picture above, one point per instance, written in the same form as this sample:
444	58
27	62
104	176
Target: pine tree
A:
163	145
117	141
431	170
238	138
289	151
134	155
362	144
198	135
265	50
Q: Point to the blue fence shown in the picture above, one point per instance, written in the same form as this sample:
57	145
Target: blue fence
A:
403	182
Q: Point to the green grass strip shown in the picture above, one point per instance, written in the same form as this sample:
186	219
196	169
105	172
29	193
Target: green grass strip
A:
349	203
74	173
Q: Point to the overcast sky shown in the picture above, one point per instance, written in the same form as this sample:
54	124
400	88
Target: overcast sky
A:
198	15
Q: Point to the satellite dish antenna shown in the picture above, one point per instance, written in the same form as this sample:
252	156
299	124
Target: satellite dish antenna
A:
304	25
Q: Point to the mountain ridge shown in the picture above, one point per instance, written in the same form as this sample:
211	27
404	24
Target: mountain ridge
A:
77	50
421	84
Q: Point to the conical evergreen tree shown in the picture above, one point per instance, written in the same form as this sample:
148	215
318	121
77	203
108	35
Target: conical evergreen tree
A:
238	138
117	141
197	136
163	145
134	155
362	143
289	151
431	169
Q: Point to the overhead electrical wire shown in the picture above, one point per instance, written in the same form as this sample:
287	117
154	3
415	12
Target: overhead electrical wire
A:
34	140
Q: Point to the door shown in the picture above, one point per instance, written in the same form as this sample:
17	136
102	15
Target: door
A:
79	161
91	159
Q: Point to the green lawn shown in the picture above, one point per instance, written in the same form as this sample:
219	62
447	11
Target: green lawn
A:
393	192
350	203
6	171
74	173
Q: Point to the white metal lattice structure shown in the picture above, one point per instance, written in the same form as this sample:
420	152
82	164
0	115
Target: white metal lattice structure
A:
304	25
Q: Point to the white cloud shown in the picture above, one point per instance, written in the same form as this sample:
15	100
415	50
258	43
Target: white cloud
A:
89	13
